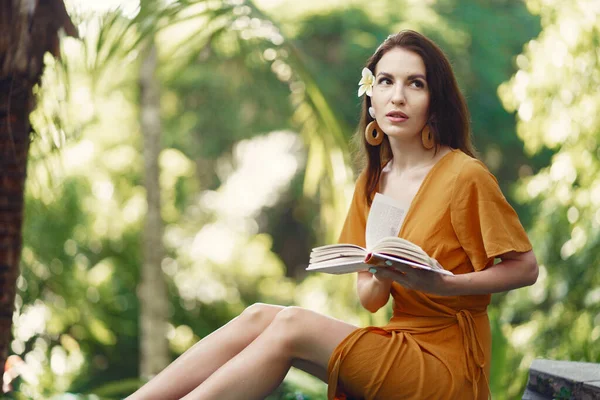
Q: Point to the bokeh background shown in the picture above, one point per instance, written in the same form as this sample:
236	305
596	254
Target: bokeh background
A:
248	109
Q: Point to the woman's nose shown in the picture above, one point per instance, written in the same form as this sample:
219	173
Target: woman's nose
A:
398	95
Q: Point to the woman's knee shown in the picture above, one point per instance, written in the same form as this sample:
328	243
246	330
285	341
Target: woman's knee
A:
291	315
260	315
288	324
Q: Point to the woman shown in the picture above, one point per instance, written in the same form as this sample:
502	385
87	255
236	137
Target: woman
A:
438	343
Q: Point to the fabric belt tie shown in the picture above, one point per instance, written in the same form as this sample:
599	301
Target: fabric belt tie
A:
474	357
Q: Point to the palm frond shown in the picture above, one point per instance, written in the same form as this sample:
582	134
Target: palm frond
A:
119	39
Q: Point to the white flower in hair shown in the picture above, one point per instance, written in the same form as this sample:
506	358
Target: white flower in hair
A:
366	83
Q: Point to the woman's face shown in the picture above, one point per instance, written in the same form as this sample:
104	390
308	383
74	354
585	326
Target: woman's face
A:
400	94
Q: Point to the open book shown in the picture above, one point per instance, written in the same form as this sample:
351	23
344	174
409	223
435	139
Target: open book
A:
346	258
383	246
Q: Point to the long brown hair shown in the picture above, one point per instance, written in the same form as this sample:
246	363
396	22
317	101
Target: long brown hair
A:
448	112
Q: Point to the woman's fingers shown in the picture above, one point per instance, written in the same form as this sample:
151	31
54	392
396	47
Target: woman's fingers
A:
389	273
409	277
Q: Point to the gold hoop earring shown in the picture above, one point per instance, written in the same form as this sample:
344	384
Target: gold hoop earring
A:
427	137
374	134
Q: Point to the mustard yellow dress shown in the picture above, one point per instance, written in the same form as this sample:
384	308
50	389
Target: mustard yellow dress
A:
434	347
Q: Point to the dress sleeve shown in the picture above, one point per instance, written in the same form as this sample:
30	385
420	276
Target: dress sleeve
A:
353	231
485	224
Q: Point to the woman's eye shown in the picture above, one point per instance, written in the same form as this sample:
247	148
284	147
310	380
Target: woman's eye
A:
418	84
384	81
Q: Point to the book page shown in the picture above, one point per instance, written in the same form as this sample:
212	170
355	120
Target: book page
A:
385	219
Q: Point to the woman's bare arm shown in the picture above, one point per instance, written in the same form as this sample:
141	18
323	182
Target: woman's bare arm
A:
373	292
514	271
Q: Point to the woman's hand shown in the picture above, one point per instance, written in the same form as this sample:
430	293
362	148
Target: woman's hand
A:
413	278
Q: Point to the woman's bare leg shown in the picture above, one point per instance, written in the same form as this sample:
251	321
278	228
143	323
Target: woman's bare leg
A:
208	355
294	334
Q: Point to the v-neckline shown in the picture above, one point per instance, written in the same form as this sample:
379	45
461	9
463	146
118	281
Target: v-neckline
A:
419	191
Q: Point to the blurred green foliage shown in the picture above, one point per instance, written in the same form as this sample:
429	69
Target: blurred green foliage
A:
242	170
554	95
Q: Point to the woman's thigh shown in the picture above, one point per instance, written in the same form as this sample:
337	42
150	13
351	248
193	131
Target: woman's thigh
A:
259	316
310	336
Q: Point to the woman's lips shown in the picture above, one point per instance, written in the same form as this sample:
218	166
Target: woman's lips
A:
396	116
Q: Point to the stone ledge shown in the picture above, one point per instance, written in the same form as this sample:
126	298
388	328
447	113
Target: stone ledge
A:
550	379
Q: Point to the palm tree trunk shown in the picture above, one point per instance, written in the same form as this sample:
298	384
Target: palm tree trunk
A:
154	350
27	30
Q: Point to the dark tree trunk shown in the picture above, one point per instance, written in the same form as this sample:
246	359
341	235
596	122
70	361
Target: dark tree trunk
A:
14	145
27	30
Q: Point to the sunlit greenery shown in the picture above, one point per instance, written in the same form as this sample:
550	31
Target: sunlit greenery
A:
555	97
258	107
